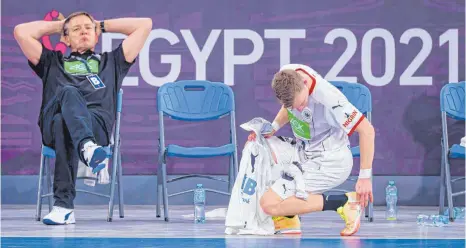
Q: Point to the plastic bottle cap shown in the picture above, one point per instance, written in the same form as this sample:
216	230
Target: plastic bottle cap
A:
199	185
391	182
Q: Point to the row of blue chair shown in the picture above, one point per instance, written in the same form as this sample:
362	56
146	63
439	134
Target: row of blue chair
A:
194	100
203	101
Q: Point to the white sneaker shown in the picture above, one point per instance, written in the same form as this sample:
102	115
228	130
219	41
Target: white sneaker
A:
94	156
59	216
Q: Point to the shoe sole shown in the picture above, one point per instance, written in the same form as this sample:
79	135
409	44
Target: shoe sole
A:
97	158
288	232
353	232
50	222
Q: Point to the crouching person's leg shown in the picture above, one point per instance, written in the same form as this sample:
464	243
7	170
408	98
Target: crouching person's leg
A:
281	203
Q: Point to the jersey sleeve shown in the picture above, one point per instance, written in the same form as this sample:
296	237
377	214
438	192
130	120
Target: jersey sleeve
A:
121	65
46	60
345	115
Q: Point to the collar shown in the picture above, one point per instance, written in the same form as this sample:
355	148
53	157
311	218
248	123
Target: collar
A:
85	54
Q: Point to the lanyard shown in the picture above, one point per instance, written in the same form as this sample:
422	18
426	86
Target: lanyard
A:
85	64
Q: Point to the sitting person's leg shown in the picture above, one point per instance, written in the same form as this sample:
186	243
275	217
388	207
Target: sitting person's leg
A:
66	165
280	200
79	122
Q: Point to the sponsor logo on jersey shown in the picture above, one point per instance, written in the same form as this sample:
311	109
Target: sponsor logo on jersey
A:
350	118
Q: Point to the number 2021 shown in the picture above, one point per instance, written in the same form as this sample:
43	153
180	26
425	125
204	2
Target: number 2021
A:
407	76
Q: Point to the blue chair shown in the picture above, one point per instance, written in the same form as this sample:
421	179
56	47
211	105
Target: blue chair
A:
194	101
360	96
113	153
452	106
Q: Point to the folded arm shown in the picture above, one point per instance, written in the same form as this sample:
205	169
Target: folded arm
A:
28	34
137	31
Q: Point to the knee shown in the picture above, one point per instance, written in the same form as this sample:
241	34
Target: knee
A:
67	89
269	207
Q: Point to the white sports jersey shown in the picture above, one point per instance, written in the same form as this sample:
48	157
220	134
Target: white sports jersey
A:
329	118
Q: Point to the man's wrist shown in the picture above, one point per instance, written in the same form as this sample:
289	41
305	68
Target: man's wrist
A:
102	26
59	27
365	173
275	126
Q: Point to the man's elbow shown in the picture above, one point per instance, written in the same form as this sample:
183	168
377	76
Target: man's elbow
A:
19	32
147	24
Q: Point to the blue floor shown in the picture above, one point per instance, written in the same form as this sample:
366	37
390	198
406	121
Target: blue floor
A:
229	242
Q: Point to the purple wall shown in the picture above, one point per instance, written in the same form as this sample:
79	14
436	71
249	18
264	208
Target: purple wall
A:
406	116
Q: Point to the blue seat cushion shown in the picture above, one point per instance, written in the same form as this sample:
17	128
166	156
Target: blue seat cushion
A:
48	152
457	151
199	152
355	151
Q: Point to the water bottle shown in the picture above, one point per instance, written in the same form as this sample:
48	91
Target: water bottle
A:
199	204
391	198
458	213
432	220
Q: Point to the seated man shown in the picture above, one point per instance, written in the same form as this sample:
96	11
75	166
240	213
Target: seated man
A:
79	94
322	119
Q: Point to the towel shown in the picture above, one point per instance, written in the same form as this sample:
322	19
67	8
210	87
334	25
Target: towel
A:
90	179
256	175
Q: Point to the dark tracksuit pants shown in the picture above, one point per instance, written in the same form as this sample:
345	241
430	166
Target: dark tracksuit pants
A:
66	125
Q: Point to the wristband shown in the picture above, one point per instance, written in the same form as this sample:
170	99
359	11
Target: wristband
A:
102	27
275	126
365	173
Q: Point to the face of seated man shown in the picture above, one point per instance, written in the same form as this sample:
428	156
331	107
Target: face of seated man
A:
81	34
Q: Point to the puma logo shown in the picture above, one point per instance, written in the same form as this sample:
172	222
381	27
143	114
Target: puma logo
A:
337	106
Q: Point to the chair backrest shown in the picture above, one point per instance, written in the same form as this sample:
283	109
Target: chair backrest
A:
452	100
357	94
195	100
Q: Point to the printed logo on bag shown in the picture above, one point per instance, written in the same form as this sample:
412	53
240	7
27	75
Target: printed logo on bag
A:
350	118
248	186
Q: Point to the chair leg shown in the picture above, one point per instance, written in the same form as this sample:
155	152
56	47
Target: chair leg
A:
48	173
39	190
165	192
442	187
231	174
449	190
159	194
112	186
120	188
235	163
370	211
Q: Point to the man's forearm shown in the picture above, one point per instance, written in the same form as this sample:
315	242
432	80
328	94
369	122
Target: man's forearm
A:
124	26
37	29
366	146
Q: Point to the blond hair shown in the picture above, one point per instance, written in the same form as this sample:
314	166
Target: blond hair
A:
286	84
